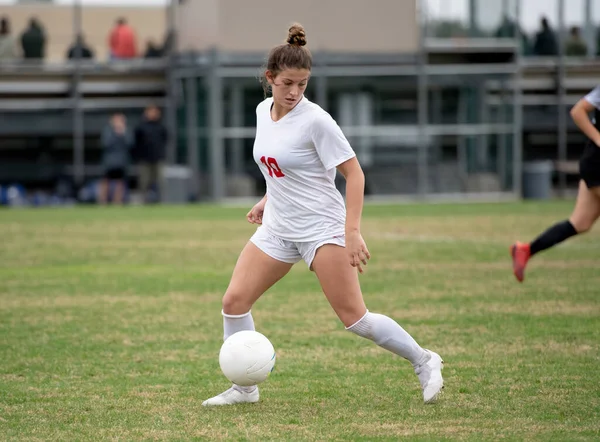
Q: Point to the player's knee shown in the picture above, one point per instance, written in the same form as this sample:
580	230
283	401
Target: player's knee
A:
363	326
234	303
350	316
582	224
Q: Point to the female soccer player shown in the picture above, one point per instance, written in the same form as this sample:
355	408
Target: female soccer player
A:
587	207
298	148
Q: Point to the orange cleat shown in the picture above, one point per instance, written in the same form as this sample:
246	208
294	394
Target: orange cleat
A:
520	254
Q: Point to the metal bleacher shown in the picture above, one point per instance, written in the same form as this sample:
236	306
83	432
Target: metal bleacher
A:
542	105
539	82
37	103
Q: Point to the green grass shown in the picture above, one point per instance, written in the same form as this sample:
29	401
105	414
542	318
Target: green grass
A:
110	329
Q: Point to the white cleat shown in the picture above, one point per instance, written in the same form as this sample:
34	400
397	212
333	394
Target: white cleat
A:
235	395
430	376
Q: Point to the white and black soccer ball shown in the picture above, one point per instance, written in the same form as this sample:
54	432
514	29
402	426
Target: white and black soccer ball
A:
247	358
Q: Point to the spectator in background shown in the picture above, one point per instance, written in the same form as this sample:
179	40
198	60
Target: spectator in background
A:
33	41
150	149
545	40
168	43
8	47
116	143
80	45
122	41
152	50
575	46
510	29
507	29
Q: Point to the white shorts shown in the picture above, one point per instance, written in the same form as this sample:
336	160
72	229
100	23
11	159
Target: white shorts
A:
290	251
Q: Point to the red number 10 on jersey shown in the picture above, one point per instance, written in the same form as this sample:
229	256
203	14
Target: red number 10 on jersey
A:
272	166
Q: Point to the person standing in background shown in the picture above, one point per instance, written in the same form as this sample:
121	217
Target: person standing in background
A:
545	43
8	48
80	45
116	143
575	46
122	41
152	50
150	149
33	41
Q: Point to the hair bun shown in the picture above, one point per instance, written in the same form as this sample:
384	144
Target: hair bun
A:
296	35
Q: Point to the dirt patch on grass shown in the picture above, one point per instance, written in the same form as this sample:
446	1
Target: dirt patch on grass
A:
487	266
533	308
544	308
10	377
521	346
87	300
405	430
568	348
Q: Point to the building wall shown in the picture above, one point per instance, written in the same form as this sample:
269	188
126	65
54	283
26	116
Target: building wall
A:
148	22
332	25
236	25
197	24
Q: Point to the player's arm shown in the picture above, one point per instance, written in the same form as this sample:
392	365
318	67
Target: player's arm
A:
255	215
262	202
580	114
355	190
334	150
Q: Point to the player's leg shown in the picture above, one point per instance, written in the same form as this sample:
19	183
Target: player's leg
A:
154	180
339	281
596	191
257	269
119	194
587	208
144	180
103	191
263	262
585	214
161	182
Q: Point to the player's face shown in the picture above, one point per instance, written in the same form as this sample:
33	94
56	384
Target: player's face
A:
289	86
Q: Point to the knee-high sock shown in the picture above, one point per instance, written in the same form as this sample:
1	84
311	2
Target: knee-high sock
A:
388	334
233	324
554	235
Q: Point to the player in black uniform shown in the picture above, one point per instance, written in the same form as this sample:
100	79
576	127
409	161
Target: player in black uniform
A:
587	207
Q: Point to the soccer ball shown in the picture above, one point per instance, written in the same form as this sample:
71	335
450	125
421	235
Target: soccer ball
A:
247	358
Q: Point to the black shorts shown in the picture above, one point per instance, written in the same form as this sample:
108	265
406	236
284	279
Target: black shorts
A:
589	166
115	174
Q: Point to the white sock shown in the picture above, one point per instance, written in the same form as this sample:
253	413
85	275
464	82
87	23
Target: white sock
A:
233	324
388	334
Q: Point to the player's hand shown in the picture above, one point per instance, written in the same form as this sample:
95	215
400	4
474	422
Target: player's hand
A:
357	250
255	215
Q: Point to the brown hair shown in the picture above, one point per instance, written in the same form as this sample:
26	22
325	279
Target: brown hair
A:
293	54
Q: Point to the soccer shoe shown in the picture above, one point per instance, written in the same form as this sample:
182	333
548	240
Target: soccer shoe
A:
520	255
234	395
430	376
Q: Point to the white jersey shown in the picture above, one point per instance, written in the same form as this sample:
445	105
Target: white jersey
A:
593	97
298	156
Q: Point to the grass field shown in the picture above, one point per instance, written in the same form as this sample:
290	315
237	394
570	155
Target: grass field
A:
110	328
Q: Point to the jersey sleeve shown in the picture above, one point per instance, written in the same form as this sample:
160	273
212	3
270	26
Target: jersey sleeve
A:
330	142
260	106
594	97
